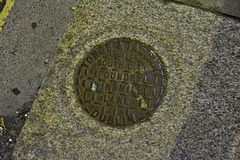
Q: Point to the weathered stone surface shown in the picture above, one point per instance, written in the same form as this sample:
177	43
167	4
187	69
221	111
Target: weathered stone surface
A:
213	126
28	42
229	7
184	37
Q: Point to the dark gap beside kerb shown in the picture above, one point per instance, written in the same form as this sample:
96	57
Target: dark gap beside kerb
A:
2	4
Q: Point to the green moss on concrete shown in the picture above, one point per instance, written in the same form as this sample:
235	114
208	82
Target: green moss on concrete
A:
57	126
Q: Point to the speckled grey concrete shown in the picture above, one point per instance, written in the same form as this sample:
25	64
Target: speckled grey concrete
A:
28	42
199	116
214	122
229	7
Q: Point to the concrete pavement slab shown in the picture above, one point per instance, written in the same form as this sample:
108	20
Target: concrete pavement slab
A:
213	127
229	7
186	39
28	42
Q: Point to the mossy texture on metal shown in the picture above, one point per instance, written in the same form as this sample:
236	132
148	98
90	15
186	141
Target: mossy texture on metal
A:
120	82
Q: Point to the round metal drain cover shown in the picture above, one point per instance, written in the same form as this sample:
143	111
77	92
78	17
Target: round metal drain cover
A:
120	82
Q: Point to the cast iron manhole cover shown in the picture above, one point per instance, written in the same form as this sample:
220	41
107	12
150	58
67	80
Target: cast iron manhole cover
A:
120	82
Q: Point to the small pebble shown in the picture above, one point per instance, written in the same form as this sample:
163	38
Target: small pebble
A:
46	61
